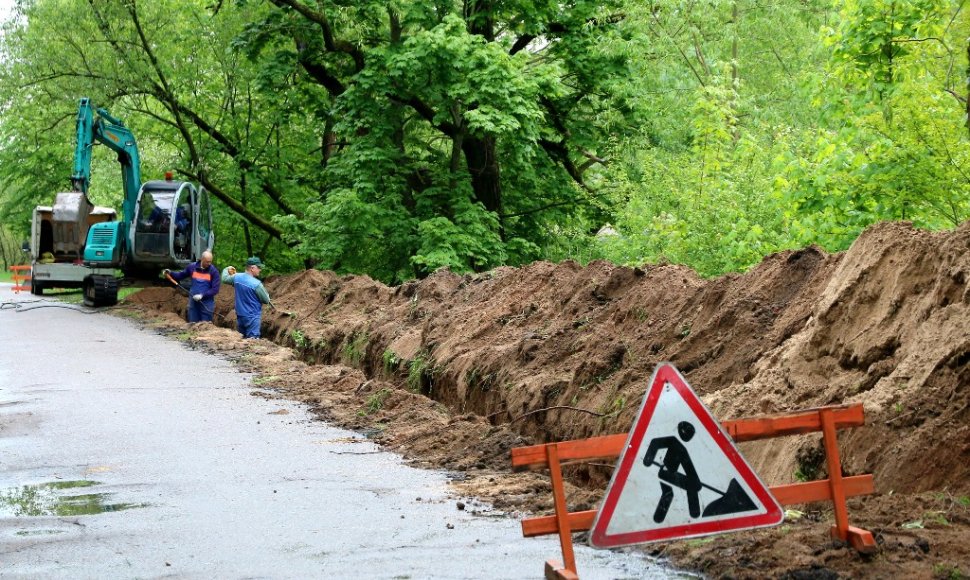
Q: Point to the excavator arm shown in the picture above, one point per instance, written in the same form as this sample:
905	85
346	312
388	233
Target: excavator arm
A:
100	127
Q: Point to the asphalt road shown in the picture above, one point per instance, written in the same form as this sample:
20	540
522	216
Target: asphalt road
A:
124	454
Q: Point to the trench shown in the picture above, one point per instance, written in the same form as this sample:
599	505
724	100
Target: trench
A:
438	381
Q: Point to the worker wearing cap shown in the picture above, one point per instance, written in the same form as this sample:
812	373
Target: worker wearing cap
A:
205	286
250	296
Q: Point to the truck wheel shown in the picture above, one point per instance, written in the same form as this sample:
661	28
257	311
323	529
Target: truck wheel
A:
36	288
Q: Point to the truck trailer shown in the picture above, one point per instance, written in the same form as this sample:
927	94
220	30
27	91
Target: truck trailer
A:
57	237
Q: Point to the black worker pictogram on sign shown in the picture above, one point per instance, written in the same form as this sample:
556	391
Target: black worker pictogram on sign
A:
680	475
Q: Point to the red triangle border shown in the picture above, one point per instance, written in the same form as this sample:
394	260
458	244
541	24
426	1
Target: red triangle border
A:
667	373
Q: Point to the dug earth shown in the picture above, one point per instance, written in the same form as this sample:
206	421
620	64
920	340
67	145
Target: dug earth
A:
453	371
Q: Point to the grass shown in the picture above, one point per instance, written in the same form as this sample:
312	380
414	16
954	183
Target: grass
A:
391	362
416	372
355	348
948	571
76	295
129	313
6	275
299	339
375	402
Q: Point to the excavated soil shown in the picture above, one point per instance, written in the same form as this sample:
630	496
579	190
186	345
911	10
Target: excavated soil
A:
454	371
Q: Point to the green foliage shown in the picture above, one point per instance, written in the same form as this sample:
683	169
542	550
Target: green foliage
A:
897	144
471	240
418	371
355	348
874	38
391	362
710	206
397	139
948	571
299	338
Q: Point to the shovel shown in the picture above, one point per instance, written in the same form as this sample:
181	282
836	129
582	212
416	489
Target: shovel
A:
732	501
180	287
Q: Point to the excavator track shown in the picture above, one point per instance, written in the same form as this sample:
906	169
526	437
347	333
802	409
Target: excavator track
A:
100	291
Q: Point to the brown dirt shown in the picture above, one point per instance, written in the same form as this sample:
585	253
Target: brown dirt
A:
453	371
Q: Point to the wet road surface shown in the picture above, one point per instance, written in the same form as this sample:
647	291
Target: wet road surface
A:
124	454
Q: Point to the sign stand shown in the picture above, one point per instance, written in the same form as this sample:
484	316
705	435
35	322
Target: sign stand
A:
835	489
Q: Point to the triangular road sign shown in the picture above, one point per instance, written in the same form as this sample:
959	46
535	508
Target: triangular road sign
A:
680	475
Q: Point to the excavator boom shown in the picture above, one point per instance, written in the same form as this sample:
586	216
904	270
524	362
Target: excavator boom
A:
110	131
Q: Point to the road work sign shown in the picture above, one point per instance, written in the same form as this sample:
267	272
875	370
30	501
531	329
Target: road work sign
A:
680	475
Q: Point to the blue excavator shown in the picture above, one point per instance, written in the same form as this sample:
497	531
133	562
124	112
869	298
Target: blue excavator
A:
164	223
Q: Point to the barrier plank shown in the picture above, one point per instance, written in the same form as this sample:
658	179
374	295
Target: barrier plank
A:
791	494
18	277
534	456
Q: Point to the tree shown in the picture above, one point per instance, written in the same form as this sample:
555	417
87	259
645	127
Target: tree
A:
893	145
455	132
726	86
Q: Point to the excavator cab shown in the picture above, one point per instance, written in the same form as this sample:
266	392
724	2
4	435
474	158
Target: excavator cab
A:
172	225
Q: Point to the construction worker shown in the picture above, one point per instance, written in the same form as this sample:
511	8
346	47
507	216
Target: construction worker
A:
250	296
152	216
205	286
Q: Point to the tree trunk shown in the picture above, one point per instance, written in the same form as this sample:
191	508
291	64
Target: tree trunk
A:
966	117
480	152
484	170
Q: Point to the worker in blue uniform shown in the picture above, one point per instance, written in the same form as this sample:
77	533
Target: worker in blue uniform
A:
205	286
250	296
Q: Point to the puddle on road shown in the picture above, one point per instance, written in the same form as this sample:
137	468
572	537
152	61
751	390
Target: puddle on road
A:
49	499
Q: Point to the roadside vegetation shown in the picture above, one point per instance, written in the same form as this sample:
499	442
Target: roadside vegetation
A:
393	139
11	253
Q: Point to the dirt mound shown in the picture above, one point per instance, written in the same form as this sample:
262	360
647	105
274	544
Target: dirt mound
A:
453	371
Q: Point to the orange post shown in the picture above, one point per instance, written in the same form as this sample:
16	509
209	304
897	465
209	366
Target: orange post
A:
562	513
860	539
18	278
836	488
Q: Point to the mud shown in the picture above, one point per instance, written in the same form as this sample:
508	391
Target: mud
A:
453	371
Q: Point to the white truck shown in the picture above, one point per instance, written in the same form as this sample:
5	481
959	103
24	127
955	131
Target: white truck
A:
57	238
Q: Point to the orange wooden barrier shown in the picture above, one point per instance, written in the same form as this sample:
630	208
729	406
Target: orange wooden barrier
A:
835	489
18	278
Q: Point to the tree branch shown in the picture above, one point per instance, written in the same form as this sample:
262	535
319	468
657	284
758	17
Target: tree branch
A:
426	113
538	209
331	43
522	42
217	192
565	407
